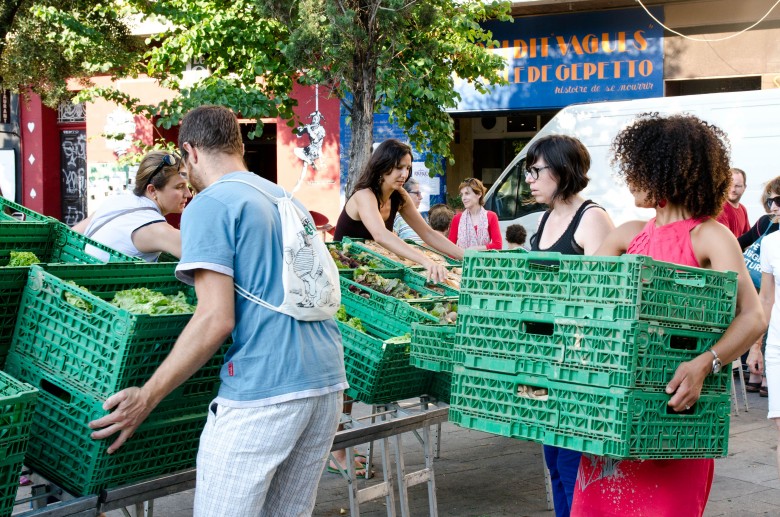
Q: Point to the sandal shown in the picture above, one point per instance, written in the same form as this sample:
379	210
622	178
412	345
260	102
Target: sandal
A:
763	391
753	387
360	468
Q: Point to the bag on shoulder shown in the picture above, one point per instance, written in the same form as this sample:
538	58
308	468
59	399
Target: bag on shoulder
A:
752	256
310	277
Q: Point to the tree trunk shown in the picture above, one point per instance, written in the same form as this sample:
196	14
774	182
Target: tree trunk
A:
363	86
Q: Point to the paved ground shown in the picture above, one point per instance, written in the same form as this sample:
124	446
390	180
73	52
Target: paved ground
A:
481	475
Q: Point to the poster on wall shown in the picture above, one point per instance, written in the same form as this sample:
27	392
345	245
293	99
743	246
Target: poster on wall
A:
557	60
8	174
73	157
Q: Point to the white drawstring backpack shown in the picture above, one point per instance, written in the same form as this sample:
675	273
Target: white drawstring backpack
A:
310	277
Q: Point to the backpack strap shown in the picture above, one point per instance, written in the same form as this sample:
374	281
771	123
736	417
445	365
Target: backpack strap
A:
92	231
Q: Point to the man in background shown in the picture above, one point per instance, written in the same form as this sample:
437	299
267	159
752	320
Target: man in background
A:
734	214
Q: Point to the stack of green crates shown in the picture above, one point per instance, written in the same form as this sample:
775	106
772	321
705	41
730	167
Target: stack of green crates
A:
378	360
51	242
576	352
77	349
17	403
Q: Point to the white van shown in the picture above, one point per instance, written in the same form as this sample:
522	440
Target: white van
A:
750	119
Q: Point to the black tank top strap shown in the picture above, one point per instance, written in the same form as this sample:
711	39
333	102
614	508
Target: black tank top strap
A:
566	243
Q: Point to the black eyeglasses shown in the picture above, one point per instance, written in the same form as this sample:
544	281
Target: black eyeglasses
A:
534	171
168	160
769	201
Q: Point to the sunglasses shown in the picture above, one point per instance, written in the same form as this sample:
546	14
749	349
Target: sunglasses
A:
534	171
168	160
769	201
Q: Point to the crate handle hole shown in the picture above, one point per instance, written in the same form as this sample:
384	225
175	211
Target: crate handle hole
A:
55	390
532	392
538	328
690	411
545	266
683	343
689	279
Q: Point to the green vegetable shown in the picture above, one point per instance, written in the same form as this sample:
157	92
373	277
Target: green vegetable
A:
77	301
142	300
22	258
355	323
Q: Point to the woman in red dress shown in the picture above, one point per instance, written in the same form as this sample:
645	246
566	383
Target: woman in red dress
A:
678	165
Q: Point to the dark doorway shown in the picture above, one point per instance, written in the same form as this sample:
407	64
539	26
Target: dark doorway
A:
260	152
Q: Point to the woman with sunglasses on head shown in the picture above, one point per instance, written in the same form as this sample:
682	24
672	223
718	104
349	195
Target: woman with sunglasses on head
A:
679	166
370	211
557	171
134	223
475	228
766	224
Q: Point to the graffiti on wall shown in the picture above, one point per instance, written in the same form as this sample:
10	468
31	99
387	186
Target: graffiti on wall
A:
73	157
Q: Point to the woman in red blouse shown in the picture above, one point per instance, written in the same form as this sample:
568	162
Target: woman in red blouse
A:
475	228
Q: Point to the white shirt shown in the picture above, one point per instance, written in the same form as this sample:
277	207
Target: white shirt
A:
116	220
770	263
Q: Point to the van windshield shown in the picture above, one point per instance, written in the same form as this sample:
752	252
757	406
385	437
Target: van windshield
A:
512	198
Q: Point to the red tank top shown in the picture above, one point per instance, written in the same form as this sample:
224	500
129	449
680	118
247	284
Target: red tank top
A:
647	488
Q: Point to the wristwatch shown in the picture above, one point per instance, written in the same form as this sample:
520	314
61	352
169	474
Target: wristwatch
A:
716	364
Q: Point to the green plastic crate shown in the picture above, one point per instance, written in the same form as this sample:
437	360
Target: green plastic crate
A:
52	242
378	370
106	349
17	405
62	450
8	207
627	287
615	422
432	347
363	256
441	387
625	354
400	262
383	313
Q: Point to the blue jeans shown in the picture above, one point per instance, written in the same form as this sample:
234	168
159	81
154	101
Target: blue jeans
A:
563	465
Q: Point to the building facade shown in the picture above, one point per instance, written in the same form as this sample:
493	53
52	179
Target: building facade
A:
64	162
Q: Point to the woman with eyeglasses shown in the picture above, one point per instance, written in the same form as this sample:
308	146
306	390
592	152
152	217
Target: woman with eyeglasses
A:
379	195
134	223
679	166
765	225
557	171
400	226
475	228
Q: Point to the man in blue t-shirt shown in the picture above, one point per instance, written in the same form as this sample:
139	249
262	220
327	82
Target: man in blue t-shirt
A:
271	427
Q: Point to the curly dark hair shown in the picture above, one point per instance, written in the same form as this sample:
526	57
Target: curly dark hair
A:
516	234
678	158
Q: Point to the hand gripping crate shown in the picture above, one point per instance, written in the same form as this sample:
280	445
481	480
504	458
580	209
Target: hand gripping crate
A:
62	450
629	287
615	422
103	349
17	404
378	369
624	354
387	315
52	242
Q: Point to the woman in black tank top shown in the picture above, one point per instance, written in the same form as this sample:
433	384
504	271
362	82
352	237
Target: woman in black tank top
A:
557	171
378	195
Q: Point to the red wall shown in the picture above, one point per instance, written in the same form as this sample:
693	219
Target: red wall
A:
40	157
320	189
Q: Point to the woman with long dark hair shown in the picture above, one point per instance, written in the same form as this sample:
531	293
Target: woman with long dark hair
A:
379	195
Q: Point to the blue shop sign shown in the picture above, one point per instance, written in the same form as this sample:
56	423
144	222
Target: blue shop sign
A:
554	61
